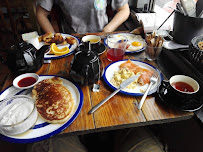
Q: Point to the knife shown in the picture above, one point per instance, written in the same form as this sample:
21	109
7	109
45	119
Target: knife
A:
122	86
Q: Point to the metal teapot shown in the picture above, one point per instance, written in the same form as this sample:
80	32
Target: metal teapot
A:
86	66
24	58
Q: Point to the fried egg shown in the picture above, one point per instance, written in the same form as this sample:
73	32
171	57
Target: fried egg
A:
136	43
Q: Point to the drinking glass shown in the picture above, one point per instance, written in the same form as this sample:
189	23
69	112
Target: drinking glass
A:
152	53
116	46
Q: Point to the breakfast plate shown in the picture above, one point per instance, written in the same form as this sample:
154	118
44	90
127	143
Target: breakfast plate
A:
135	42
43	130
138	90
71	47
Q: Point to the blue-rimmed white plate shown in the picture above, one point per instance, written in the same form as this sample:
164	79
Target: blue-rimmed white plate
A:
43	130
138	90
135	43
71	47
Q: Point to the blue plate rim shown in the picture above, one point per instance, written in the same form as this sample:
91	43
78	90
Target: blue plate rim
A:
60	129
61	56
128	93
130	52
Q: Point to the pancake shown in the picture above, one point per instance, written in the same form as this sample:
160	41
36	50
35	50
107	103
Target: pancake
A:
44	83
54	101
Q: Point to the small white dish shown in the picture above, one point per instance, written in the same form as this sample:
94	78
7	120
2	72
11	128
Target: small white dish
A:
26	80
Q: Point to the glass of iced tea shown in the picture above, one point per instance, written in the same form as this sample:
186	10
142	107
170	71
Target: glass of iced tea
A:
116	47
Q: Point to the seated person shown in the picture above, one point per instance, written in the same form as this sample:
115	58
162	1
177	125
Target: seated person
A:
83	16
125	140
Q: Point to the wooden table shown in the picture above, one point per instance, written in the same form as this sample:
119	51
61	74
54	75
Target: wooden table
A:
120	111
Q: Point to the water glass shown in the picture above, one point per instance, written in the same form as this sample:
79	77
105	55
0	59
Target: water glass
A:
116	47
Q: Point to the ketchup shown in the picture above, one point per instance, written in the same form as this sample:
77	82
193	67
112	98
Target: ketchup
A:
26	82
182	86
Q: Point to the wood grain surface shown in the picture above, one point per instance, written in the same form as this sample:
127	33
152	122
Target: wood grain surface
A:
120	111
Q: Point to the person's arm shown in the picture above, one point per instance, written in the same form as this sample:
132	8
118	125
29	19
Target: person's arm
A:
42	18
121	16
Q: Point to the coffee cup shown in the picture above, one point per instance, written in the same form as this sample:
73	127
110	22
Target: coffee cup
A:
180	91
94	41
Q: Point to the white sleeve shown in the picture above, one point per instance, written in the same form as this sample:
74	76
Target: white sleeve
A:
115	4
46	4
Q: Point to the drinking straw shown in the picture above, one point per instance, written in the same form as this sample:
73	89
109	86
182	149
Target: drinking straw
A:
165	20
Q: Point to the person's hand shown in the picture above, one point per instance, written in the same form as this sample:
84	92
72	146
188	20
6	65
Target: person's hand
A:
106	29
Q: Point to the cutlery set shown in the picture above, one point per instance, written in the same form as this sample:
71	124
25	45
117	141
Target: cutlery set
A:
191	8
153	80
124	84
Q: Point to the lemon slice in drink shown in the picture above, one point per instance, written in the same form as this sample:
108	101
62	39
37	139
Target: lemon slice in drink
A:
58	51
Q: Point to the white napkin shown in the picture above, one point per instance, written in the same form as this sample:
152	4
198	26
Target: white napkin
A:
171	45
32	38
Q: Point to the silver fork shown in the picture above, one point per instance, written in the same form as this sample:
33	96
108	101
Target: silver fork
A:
153	80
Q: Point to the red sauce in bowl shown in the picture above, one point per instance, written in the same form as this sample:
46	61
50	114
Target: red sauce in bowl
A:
26	82
182	86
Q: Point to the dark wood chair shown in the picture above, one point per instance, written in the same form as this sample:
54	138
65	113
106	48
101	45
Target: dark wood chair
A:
18	16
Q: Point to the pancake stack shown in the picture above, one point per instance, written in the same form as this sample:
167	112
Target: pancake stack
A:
54	101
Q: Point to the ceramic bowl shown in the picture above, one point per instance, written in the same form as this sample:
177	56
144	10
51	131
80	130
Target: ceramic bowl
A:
26	80
94	40
17	115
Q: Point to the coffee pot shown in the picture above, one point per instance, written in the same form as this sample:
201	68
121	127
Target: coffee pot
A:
86	66
24	58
